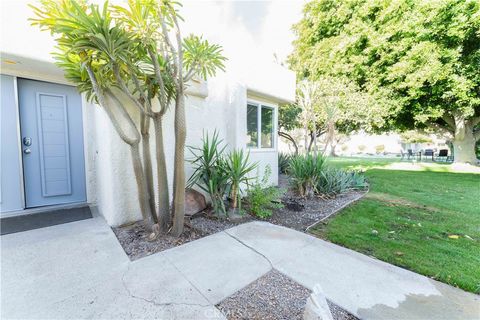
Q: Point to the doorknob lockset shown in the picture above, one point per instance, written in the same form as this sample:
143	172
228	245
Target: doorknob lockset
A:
27	141
27	151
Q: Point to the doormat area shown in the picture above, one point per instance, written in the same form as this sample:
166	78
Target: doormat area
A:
273	296
43	219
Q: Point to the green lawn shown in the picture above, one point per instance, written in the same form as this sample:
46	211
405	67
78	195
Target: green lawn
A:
423	217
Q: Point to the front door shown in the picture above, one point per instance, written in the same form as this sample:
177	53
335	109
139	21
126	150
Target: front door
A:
52	143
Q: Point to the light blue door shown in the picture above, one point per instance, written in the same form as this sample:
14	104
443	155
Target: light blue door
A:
52	143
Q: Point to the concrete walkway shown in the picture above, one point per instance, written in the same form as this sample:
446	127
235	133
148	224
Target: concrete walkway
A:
79	271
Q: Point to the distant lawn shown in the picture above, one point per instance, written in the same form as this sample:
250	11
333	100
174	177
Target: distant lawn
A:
413	218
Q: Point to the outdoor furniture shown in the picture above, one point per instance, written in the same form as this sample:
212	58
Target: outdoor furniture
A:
443	156
410	154
429	153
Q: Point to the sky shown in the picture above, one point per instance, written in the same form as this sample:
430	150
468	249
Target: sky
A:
260	29
247	30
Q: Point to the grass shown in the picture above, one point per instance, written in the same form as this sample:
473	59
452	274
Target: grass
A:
423	217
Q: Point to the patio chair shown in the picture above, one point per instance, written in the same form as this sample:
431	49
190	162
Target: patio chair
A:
429	153
409	154
443	155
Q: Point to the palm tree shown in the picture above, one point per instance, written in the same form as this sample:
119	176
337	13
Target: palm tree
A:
126	51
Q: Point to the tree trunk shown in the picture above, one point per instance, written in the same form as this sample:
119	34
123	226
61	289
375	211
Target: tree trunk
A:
162	178
305	128
315	147
147	161
464	149
179	169
141	183
464	141
234	196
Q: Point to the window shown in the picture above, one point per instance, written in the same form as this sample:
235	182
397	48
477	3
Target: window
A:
260	126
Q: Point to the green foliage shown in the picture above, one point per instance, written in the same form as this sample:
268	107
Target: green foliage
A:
238	169
288	117
210	171
413	136
220	174
283	162
263	198
126	41
419	59
202	57
335	181
305	172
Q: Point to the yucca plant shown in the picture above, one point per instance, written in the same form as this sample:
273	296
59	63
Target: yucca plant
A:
335	181
283	160
238	168
305	172
210	171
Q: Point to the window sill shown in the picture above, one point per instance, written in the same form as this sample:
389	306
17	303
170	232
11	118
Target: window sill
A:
258	150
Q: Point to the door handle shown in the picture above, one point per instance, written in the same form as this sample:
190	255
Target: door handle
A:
27	141
27	151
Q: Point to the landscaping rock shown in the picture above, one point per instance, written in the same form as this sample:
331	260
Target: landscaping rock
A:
317	307
194	202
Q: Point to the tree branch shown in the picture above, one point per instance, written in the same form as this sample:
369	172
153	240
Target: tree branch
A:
289	138
450	121
101	100
124	88
156	67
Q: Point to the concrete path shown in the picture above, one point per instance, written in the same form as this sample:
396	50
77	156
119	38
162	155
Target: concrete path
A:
79	271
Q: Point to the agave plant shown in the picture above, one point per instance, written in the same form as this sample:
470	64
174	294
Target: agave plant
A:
305	172
238	168
210	172
335	181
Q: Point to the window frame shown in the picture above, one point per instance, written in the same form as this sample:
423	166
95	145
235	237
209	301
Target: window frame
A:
260	105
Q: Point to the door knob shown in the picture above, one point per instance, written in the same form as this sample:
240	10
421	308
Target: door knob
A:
27	151
27	141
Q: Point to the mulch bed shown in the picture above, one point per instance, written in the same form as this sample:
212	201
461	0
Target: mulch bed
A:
271	297
297	214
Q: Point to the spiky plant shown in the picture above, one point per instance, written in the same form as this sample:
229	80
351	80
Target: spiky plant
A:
239	170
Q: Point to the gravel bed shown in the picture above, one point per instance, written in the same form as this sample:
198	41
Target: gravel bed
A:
210	224
133	237
273	297
297	214
300	213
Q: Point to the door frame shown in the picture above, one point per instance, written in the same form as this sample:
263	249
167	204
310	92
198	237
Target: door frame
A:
24	210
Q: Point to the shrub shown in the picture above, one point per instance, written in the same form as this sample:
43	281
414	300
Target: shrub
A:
262	198
358	180
336	181
218	174
238	169
305	172
283	160
210	171
362	148
380	148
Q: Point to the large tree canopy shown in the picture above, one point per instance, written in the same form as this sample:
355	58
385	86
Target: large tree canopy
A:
421	58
